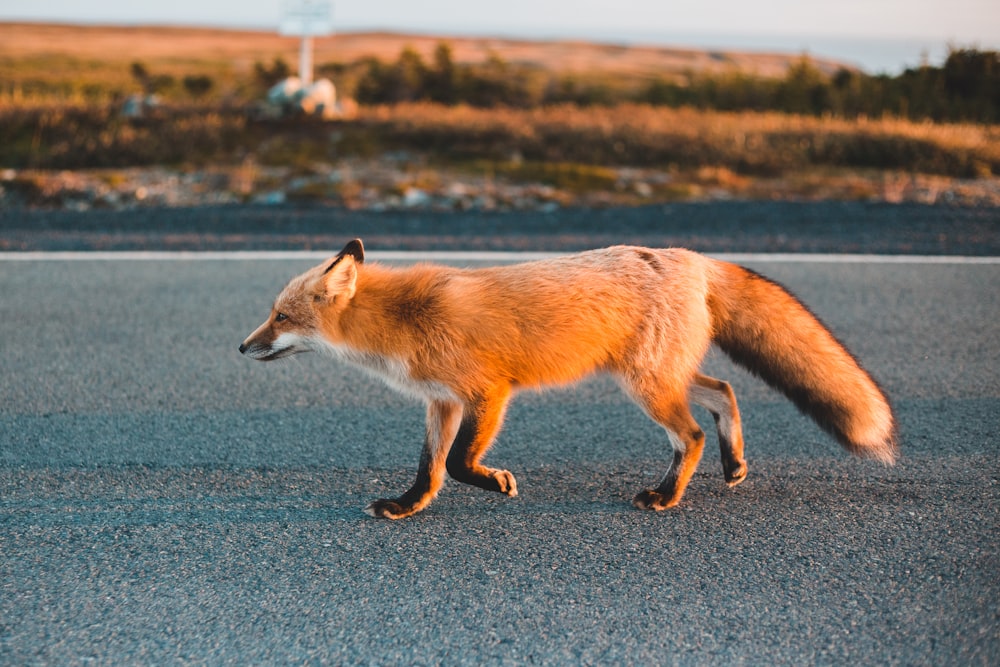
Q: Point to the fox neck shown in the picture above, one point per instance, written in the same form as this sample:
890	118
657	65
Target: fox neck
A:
393	309
385	325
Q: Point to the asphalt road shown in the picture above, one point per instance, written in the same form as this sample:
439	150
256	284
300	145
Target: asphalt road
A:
164	500
737	226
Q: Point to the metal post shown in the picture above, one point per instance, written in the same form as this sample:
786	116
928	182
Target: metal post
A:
305	61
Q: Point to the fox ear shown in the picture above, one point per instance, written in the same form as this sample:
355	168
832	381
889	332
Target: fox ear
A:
341	274
341	277
354	249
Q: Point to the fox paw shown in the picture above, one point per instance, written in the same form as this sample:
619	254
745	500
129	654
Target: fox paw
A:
736	474
653	500
506	482
389	509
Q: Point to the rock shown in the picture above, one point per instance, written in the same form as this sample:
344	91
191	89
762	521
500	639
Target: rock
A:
136	106
272	198
284	91
289	97
318	99
414	197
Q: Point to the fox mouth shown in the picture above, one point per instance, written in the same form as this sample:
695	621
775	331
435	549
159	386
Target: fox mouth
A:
266	352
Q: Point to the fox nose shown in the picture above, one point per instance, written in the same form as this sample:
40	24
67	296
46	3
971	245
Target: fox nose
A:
243	348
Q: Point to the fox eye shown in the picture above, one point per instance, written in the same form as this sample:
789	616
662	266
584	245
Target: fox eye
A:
280	317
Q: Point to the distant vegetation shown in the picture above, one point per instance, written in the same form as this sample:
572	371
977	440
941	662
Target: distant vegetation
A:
514	117
965	88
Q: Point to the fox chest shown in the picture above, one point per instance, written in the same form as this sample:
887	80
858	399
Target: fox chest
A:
396	373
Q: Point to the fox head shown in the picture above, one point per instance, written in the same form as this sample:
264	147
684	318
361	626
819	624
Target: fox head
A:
307	306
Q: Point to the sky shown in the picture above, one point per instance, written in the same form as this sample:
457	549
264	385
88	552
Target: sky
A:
880	35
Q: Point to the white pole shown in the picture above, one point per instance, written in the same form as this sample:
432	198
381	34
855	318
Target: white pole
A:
305	61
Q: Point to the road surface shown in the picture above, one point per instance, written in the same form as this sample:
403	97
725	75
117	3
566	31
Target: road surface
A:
164	500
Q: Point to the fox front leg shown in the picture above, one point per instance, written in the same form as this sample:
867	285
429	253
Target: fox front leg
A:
443	421
481	421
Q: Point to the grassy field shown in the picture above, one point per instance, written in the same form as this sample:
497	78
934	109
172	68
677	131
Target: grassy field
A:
747	143
61	89
753	144
40	62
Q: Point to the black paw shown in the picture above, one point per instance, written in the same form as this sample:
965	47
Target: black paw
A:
389	509
736	473
653	500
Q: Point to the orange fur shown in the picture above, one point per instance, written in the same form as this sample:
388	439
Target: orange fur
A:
464	340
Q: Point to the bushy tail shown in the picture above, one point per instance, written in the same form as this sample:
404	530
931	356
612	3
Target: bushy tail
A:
765	329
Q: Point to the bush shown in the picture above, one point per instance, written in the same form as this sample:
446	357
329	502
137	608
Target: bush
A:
198	85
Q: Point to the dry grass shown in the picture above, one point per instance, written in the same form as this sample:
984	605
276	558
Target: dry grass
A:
752	143
760	144
45	63
239	49
88	137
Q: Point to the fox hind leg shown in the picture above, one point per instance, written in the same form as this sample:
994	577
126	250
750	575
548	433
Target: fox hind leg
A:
718	398
481	421
688	441
443	421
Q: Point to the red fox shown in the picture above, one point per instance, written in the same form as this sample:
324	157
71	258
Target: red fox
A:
464	340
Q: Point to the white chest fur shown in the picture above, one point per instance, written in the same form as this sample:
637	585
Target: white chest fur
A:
394	372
